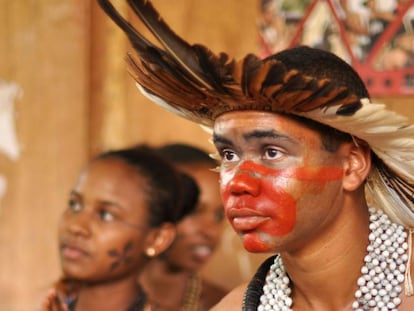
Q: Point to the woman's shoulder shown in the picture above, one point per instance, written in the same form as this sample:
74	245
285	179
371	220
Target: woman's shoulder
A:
233	300
213	288
212	293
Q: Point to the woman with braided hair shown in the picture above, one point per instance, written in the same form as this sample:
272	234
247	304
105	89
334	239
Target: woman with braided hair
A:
121	213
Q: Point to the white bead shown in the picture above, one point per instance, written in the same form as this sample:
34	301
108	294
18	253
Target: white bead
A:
367	296
382	292
288	301
361	281
390	305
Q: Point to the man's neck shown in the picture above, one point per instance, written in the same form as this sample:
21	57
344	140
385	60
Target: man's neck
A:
324	274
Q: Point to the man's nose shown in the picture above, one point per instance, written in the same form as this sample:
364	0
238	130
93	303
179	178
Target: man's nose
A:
244	183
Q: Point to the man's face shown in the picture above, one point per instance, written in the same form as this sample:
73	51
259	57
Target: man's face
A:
279	186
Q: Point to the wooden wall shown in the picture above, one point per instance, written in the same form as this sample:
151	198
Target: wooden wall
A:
44	48
77	100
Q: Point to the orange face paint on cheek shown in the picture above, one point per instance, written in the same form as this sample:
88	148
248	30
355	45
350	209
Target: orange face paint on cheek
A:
280	206
319	175
272	200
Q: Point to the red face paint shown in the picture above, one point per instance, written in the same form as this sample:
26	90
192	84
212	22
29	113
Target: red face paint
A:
257	198
252	242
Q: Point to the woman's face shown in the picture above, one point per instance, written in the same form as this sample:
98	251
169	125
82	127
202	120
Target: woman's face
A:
279	185
102	230
199	234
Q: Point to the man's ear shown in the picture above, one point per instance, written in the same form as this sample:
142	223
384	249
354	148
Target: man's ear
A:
159	239
357	165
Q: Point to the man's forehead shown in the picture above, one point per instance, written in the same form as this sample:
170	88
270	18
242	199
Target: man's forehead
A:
260	121
254	114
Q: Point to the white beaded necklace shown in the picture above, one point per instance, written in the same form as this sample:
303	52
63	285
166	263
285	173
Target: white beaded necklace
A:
379	286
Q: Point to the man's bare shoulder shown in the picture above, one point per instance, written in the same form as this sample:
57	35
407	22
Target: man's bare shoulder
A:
232	301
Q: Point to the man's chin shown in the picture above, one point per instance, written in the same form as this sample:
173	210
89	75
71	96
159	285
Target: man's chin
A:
253	243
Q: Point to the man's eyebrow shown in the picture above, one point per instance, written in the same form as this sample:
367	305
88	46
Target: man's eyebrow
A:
217	139
252	135
264	134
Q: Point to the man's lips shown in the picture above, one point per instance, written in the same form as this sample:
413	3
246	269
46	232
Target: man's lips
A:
245	219
248	223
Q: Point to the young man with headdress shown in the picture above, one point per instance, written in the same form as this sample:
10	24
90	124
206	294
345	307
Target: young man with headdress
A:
302	147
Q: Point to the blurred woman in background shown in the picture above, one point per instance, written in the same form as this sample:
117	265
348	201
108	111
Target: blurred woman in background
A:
172	279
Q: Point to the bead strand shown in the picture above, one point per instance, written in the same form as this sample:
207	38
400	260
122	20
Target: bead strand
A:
385	263
379	285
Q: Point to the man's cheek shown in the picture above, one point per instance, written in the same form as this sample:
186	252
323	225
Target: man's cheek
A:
281	208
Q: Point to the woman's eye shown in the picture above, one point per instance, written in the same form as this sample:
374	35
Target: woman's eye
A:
74	205
219	215
272	154
230	156
197	211
106	216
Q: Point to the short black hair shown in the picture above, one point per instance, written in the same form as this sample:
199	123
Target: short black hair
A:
321	64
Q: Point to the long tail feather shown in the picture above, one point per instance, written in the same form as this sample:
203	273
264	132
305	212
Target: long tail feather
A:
179	49
139	42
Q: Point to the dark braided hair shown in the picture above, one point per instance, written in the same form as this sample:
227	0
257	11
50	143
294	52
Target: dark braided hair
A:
171	194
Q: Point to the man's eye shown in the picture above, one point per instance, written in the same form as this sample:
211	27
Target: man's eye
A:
272	154
106	216
230	156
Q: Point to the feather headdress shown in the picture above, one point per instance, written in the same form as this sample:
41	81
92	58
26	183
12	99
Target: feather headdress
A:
193	82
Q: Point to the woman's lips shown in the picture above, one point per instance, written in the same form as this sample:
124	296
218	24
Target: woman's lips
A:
202	252
72	252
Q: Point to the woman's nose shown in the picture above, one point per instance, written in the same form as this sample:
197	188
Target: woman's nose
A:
244	183
211	228
78	224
